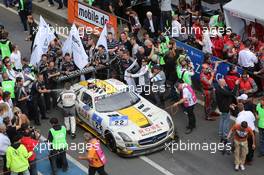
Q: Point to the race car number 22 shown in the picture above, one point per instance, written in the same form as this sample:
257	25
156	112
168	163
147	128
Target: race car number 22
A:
119	121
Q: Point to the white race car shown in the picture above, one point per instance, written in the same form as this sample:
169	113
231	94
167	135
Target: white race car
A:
128	123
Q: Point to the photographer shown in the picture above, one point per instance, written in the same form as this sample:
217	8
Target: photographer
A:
30	140
207	77
185	69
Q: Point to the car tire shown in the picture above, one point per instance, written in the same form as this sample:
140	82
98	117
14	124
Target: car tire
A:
110	142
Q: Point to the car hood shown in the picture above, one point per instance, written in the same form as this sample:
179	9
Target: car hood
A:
144	120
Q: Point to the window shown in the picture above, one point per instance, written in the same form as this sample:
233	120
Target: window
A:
87	99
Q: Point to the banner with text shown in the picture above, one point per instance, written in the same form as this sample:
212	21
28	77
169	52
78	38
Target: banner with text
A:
88	16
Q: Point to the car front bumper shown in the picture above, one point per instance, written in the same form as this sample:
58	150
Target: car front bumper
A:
127	152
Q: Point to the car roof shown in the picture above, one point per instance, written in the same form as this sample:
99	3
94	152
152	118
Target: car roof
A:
101	87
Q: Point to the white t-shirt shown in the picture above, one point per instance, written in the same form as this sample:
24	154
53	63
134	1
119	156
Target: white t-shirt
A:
176	28
247	116
16	58
246	58
188	95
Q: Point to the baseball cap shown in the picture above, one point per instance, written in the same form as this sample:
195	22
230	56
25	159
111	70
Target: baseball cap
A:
242	97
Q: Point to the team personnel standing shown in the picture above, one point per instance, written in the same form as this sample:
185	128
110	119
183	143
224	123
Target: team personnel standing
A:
38	99
17	157
224	98
207	77
95	156
57	138
23	13
158	80
242	132
189	100
21	96
30	144
68	98
249	117
260	118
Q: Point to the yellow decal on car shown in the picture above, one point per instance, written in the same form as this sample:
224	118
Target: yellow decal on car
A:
135	116
108	88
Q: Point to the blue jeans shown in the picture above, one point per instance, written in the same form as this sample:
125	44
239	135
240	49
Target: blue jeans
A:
224	125
261	141
33	167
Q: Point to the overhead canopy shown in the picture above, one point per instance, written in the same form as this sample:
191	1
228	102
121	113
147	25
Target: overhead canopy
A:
249	10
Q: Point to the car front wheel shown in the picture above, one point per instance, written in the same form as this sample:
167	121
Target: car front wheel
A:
110	141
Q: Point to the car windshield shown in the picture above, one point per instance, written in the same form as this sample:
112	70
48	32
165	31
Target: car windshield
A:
116	102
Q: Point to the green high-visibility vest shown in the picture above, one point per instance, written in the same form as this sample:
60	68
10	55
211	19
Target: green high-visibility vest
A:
90	2
216	22
164	49
5	50
9	86
59	138
186	78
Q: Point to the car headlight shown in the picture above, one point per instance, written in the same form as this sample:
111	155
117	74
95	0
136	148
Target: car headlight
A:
169	122
125	137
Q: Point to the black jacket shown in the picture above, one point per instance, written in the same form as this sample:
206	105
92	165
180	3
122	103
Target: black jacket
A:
146	25
224	98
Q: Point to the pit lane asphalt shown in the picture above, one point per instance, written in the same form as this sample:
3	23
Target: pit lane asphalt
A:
178	163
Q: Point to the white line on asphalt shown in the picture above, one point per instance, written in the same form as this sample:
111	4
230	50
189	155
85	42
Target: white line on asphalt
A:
155	165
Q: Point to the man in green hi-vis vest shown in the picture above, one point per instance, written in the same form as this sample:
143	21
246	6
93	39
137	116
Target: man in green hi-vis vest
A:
23	12
8	85
57	139
5	46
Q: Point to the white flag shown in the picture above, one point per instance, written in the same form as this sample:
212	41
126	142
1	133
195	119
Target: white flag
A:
79	55
102	39
67	46
41	43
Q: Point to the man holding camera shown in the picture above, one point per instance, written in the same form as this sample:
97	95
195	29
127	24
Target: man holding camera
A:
207	77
